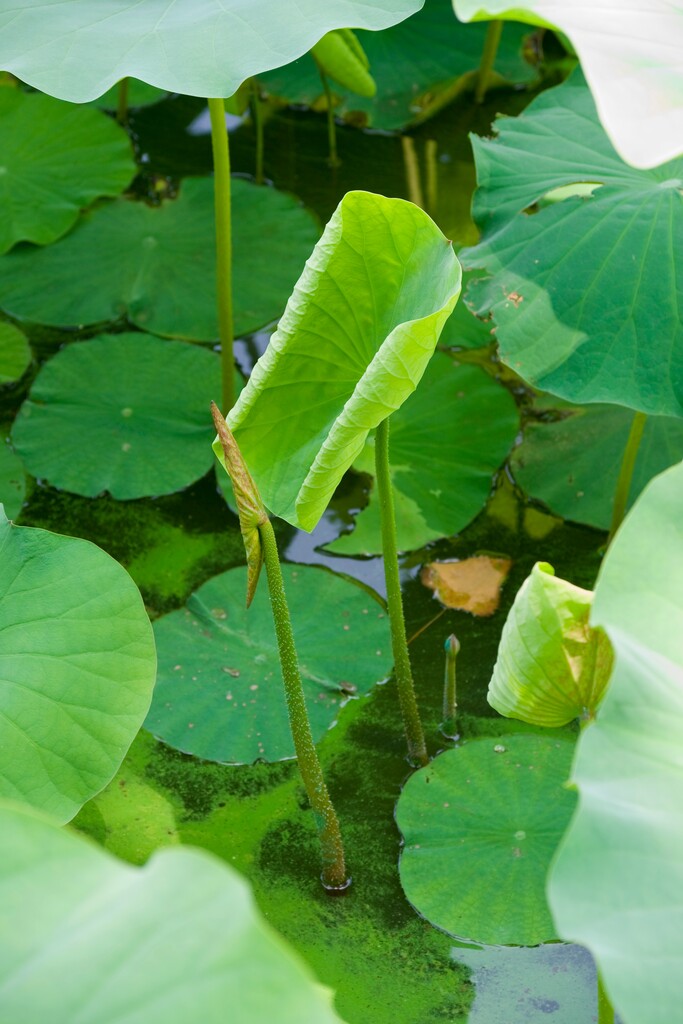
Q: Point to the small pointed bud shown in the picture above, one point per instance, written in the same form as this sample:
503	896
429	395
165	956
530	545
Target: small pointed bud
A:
452	646
251	510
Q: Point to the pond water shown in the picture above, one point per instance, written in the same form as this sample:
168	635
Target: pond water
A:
386	963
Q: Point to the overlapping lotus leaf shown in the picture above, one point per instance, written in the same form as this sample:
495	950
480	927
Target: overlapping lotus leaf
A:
15	354
356	337
86	937
617	884
56	160
197	47
635	72
77	668
156	266
586	293
572	461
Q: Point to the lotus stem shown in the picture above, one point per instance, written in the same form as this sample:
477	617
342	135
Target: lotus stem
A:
417	749
333	158
413	180
122	105
334	876
449	726
488	57
431	150
605	1008
221	167
628	464
257	118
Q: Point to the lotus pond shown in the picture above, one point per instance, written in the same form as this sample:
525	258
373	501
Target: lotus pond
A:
494	808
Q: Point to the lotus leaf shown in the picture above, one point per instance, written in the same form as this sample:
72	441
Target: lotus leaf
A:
352	345
340	55
156	265
56	160
441	465
617	883
12	479
631	55
124	413
196	47
572	463
15	354
77	666
85	937
419	65
480	824
138	94
219	693
552	666
586	292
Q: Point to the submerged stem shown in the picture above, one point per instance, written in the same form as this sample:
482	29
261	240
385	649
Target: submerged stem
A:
449	726
605	1008
413	180
122	105
404	678
221	168
626	473
334	875
257	118
488	56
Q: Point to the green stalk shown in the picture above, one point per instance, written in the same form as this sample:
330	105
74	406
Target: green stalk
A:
626	473
257	118
417	749
413	180
449	725
334	160
334	876
431	150
488	56
221	167
605	1008
122	105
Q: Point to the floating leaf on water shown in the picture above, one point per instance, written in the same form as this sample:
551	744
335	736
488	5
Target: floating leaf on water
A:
57	159
12	479
552	666
480	827
15	354
471	585
572	463
124	413
219	692
156	267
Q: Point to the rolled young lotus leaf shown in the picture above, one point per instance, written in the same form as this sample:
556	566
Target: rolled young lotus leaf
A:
352	345
552	666
340	55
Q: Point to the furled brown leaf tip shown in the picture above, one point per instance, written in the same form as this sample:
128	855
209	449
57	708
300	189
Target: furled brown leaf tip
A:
251	510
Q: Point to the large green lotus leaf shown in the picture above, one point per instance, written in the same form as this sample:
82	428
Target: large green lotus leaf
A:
15	354
124	413
552	666
480	825
446	443
198	47
585	293
635	73
464	330
617	884
572	463
352	345
156	265
77	666
219	693
56	159
87	938
418	65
